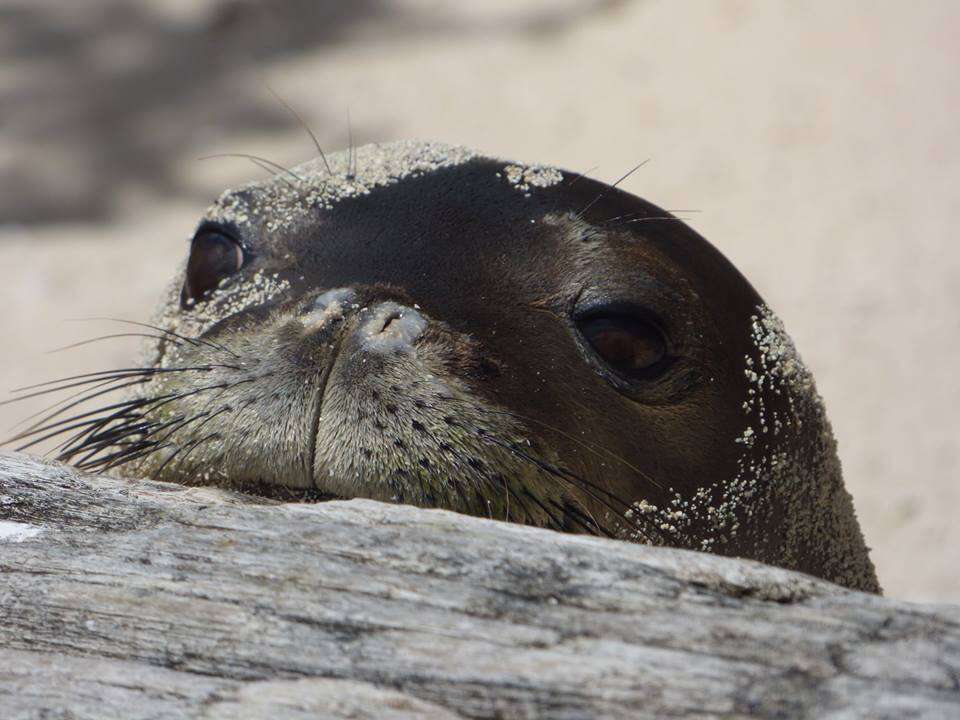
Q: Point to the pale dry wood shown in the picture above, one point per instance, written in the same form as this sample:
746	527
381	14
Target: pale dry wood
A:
145	600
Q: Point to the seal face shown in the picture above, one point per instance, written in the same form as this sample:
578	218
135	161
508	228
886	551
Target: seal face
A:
420	324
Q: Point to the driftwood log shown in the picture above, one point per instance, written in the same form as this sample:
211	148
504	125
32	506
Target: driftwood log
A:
135	599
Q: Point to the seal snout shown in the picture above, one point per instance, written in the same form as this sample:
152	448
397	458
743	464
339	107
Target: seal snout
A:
381	327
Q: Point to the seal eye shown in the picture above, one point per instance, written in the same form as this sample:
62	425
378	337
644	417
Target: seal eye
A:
213	257
632	347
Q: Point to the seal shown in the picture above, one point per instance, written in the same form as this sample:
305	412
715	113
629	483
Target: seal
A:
417	323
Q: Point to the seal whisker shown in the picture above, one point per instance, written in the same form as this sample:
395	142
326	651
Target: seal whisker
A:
118	442
141	377
557	523
257	158
105	463
594	232
592	447
159	471
175	426
102	439
117	438
89	378
105	337
44	424
114	439
100	432
582	483
303	124
658	218
579	215
266	168
351	154
579	176
195	341
627	216
78	398
583	518
193	445
69	423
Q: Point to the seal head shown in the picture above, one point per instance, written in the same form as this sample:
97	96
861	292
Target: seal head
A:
416	323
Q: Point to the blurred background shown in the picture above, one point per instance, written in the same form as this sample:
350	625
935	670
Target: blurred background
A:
818	141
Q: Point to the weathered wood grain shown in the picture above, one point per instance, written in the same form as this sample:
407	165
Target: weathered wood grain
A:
144	600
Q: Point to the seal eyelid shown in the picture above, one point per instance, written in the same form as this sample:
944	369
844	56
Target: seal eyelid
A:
214	256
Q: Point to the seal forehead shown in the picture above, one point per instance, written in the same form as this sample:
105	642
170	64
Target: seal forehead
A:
322	182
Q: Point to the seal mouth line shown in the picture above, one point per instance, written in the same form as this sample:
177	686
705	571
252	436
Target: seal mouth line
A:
315	419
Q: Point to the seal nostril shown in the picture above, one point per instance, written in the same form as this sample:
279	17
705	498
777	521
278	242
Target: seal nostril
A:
389	321
390	326
329	306
337	296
